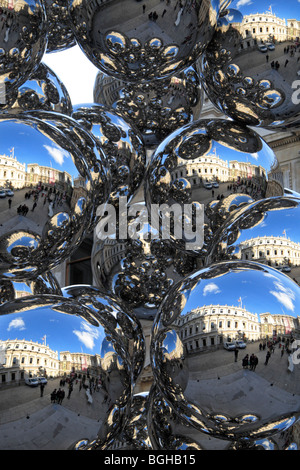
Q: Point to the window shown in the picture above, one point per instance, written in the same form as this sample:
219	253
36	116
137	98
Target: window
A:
228	324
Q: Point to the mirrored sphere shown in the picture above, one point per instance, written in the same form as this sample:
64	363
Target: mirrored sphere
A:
141	41
23	41
137	267
156	108
266	231
86	352
122	145
209	161
246	307
250	68
41	285
60	35
43	90
49	198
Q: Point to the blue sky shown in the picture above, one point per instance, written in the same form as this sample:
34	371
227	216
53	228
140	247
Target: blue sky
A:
288	9
63	332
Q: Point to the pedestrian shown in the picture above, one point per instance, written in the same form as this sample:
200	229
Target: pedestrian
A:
251	361
42	386
267	58
286	62
267	358
144	8
53	396
282	352
255	362
236	353
245	362
163	13
34	206
9	203
70	390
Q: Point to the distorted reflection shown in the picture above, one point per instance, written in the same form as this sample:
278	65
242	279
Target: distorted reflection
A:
231	347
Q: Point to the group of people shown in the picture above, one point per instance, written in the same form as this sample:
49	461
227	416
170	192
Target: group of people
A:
250	362
57	396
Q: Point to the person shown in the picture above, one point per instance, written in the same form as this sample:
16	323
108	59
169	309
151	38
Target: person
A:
34	206
236	353
42	386
53	396
255	362
245	362
9	203
60	396
70	390
251	361
267	358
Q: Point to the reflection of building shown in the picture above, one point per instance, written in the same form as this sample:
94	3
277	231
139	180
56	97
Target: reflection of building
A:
79	190
277	251
109	255
12	172
293	30
79	363
212	325
37	174
263	27
245	170
20	359
280	325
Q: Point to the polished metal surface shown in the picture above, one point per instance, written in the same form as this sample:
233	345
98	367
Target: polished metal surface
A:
217	163
43	90
56	188
60	35
83	343
141	268
266	231
23	41
252	86
215	394
156	108
122	145
144	41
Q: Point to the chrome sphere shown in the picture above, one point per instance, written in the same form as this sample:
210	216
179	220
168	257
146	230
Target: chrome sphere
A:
220	393
23	41
138	267
266	231
49	201
43	90
122	145
60	35
156	108
141	42
206	161
251	76
90	352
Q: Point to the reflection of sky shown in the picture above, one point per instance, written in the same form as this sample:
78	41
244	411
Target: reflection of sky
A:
63	332
288	9
277	223
256	291
264	157
31	146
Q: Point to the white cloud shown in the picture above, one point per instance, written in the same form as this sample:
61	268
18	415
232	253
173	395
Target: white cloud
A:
211	288
57	154
17	323
243	3
284	295
87	335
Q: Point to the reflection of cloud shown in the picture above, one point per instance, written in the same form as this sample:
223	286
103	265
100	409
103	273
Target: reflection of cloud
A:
87	335
243	3
57	154
211	288
284	295
17	323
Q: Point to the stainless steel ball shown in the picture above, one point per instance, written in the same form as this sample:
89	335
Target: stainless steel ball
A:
138	267
249	70
122	145
156	108
48	204
141	41
207	161
232	306
60	35
23	41
43	90
86	351
265	231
